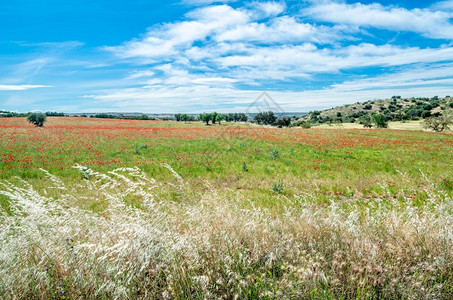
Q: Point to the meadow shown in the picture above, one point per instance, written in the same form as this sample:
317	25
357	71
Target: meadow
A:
96	208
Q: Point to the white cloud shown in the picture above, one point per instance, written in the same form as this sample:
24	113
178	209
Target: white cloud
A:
429	23
199	98
438	75
443	5
169	39
260	10
308	58
20	87
141	74
283	29
217	50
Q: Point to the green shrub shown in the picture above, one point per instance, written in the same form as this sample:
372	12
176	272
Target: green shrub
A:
426	114
380	121
277	187
274	154
37	119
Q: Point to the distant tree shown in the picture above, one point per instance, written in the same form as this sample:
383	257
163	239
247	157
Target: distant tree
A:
365	120
214	117
220	117
283	122
205	117
242	117
438	124
184	117
54	114
426	114
177	117
267	118
37	119
379	120
104	116
305	125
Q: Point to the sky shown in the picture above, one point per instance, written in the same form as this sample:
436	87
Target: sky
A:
191	56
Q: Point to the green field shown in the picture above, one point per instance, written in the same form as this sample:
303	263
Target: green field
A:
94	208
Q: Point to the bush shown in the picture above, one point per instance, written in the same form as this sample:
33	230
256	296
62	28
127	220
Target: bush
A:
274	154
438	124
37	119
365	121
277	187
283	122
267	118
426	114
380	121
244	167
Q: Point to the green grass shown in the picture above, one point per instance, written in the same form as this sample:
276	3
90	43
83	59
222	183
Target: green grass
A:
142	209
347	163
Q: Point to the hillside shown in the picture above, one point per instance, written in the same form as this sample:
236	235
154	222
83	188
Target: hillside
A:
393	109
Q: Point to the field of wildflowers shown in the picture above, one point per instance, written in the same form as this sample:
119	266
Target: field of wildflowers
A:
94	208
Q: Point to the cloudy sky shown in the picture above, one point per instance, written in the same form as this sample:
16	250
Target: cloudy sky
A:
202	55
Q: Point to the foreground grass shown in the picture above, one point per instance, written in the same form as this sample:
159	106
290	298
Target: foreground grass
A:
223	212
210	246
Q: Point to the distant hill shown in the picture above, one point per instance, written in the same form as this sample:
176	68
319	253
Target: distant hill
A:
393	109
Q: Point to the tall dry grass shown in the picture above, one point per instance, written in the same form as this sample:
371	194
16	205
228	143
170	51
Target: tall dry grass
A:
209	246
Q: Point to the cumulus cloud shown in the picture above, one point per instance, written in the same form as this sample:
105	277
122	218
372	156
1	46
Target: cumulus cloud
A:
429	23
20	87
167	40
226	53
443	5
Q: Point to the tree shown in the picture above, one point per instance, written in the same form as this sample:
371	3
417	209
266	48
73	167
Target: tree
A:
283	122
37	119
205	117
426	114
438	124
184	117
214	117
365	120
379	120
267	118
242	117
177	117
220	117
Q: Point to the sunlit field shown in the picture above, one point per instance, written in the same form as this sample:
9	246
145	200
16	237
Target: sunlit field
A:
96	208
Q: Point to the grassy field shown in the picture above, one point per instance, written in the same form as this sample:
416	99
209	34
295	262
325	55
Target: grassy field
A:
97	208
409	125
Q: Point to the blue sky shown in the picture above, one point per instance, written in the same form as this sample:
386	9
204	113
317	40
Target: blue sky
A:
201	55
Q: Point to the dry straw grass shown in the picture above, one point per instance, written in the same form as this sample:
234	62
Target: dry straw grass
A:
211	247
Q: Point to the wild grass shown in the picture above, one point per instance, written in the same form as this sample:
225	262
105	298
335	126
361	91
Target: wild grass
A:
160	239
